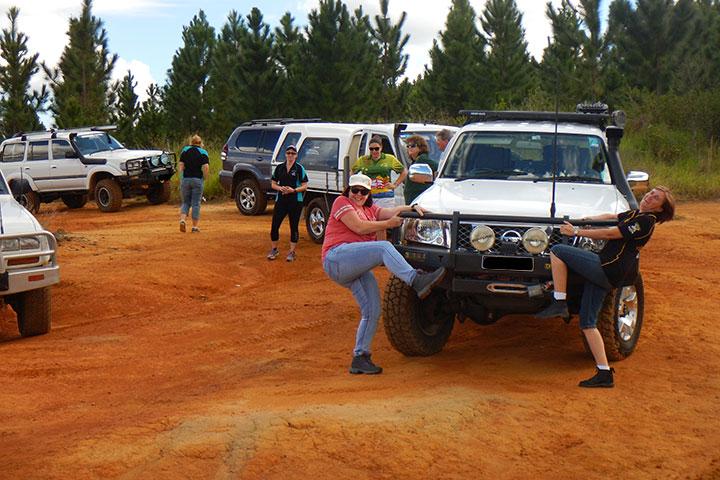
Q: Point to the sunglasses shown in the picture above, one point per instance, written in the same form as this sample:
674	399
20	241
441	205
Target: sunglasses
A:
359	190
374	149
411	145
291	153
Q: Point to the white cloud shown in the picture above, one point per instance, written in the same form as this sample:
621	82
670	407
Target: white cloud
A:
140	71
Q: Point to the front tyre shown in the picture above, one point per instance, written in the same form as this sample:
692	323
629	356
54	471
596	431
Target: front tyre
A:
159	193
33	311
415	327
108	195
75	200
28	199
316	216
250	200
620	319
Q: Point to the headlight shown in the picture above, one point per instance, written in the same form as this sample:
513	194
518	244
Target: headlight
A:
15	244
433	232
155	161
535	240
165	159
482	238
132	165
590	245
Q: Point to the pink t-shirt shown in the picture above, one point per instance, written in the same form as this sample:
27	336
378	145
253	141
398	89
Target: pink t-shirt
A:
337	232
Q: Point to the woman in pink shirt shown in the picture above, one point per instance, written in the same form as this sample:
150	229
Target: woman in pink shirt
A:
350	252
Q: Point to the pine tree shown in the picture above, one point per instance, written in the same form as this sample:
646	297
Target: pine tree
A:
185	98
258	70
18	107
288	44
81	82
127	110
150	129
393	62
225	89
456	77
508	63
337	77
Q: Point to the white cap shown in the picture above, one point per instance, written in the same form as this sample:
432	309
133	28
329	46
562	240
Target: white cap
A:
359	180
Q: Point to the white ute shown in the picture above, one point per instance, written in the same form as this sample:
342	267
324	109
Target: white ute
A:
28	265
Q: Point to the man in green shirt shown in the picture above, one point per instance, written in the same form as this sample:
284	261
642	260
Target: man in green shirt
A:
379	167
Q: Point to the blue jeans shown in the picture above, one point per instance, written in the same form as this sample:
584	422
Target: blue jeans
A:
587	265
191	189
350	265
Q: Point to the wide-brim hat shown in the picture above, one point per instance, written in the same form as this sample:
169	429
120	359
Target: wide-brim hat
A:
359	180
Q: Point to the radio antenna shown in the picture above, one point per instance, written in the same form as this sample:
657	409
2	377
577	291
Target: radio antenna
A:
555	137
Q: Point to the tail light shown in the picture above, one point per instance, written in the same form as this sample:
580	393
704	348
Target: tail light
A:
223	154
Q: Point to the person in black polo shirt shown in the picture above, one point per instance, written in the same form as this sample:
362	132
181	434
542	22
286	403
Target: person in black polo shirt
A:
290	181
193	168
615	266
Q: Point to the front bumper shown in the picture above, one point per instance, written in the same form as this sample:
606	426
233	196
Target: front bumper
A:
15	277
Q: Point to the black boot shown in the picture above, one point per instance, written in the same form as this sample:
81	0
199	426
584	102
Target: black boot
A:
558	308
602	379
363	364
424	282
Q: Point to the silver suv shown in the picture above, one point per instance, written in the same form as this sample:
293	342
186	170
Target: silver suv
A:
82	163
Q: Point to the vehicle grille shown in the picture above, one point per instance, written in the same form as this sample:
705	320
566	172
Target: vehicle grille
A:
504	235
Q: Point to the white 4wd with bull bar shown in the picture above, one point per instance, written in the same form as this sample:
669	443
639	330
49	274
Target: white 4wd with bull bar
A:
28	265
509	181
81	163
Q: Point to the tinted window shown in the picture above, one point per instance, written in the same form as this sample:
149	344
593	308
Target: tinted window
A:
269	140
38	151
319	154
96	142
247	140
363	145
13	152
290	139
60	148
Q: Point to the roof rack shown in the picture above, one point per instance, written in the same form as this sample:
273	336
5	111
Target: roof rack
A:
596	119
54	131
280	121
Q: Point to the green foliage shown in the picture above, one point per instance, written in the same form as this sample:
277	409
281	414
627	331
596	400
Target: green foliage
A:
288	41
508	63
81	82
185	97
150	130
18	106
257	69
126	111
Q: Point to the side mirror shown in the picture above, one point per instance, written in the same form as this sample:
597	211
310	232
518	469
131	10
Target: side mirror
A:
639	183
420	173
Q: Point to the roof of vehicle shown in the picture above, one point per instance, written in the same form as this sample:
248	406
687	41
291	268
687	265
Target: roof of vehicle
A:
533	126
55	132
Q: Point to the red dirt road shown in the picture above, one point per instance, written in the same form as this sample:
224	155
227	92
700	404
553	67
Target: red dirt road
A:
191	356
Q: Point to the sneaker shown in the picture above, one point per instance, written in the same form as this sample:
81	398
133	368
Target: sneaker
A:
424	282
290	256
601	379
363	364
195	230
273	254
558	308
182	226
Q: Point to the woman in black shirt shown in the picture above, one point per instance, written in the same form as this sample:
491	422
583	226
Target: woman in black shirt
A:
614	266
193	168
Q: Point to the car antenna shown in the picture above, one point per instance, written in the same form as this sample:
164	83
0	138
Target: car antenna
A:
555	137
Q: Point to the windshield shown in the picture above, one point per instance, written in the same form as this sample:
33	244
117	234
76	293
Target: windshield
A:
96	142
434	152
527	156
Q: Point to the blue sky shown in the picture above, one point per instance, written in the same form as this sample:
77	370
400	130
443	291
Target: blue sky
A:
146	33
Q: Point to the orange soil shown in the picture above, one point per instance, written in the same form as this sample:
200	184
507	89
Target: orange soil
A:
191	356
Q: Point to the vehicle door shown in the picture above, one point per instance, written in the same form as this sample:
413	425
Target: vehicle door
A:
66	169
12	160
37	164
319	156
266	147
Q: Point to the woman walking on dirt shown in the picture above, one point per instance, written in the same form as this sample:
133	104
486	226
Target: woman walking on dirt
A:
616	265
350	252
290	181
193	168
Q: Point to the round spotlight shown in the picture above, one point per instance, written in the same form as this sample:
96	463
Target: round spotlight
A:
482	238
535	240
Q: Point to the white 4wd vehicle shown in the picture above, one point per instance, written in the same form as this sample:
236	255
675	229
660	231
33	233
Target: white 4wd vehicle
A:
82	163
509	180
28	266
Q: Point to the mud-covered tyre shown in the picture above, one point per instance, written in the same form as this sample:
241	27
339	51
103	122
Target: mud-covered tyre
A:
250	200
158	193
108	195
316	217
620	320
33	311
75	201
27	198
415	327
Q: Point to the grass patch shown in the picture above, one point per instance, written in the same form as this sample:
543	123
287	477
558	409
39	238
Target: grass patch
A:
212	190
